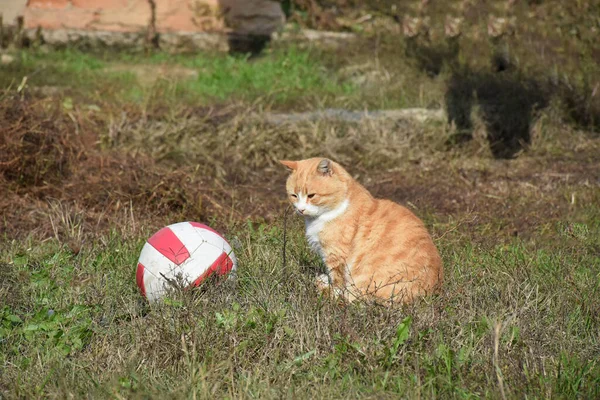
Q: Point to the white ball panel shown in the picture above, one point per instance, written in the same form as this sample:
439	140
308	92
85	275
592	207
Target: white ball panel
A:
154	264
201	261
188	235
218	242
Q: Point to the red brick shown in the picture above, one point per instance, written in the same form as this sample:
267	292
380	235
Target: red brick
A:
134	17
55	19
187	16
245	16
48	4
100	4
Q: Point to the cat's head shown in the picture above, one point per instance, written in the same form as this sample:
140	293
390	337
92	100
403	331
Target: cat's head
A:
316	185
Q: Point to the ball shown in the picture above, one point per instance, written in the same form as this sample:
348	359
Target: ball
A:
182	255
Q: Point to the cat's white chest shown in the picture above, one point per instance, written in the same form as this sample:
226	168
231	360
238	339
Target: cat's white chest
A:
314	226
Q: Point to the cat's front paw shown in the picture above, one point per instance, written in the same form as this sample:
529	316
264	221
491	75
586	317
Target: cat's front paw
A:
322	282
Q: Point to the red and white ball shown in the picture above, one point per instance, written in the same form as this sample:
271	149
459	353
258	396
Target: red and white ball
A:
186	252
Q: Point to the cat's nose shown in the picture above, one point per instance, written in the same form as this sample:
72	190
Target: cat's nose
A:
301	210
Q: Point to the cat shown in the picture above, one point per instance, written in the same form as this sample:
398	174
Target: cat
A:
372	248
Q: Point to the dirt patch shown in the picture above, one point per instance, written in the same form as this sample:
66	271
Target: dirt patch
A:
58	182
512	198
32	152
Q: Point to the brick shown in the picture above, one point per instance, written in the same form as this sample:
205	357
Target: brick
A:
243	16
100	4
187	16
51	4
134	16
57	19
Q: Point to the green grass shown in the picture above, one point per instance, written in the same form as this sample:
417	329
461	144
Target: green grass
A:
76	325
283	76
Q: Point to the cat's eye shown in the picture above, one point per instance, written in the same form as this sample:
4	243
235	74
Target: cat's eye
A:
293	195
310	196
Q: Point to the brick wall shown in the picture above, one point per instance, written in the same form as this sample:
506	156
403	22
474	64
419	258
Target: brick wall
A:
104	15
167	16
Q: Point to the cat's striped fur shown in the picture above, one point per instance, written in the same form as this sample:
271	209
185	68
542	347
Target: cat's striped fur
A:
371	247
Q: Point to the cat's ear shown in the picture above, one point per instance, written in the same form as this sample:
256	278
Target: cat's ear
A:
291	165
325	167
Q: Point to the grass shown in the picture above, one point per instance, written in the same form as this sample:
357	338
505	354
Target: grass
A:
511	313
284	76
95	157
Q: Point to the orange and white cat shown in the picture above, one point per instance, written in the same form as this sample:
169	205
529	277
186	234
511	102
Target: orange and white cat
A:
371	247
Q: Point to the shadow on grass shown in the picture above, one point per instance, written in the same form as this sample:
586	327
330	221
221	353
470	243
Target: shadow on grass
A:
507	99
507	102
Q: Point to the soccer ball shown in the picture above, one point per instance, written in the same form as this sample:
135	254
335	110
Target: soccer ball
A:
182	255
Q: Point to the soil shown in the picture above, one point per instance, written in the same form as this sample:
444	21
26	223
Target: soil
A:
52	168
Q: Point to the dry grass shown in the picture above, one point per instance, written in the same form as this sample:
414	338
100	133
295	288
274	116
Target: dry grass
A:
240	144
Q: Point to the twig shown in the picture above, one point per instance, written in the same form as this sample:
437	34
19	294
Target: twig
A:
285	214
462	221
171	281
497	332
